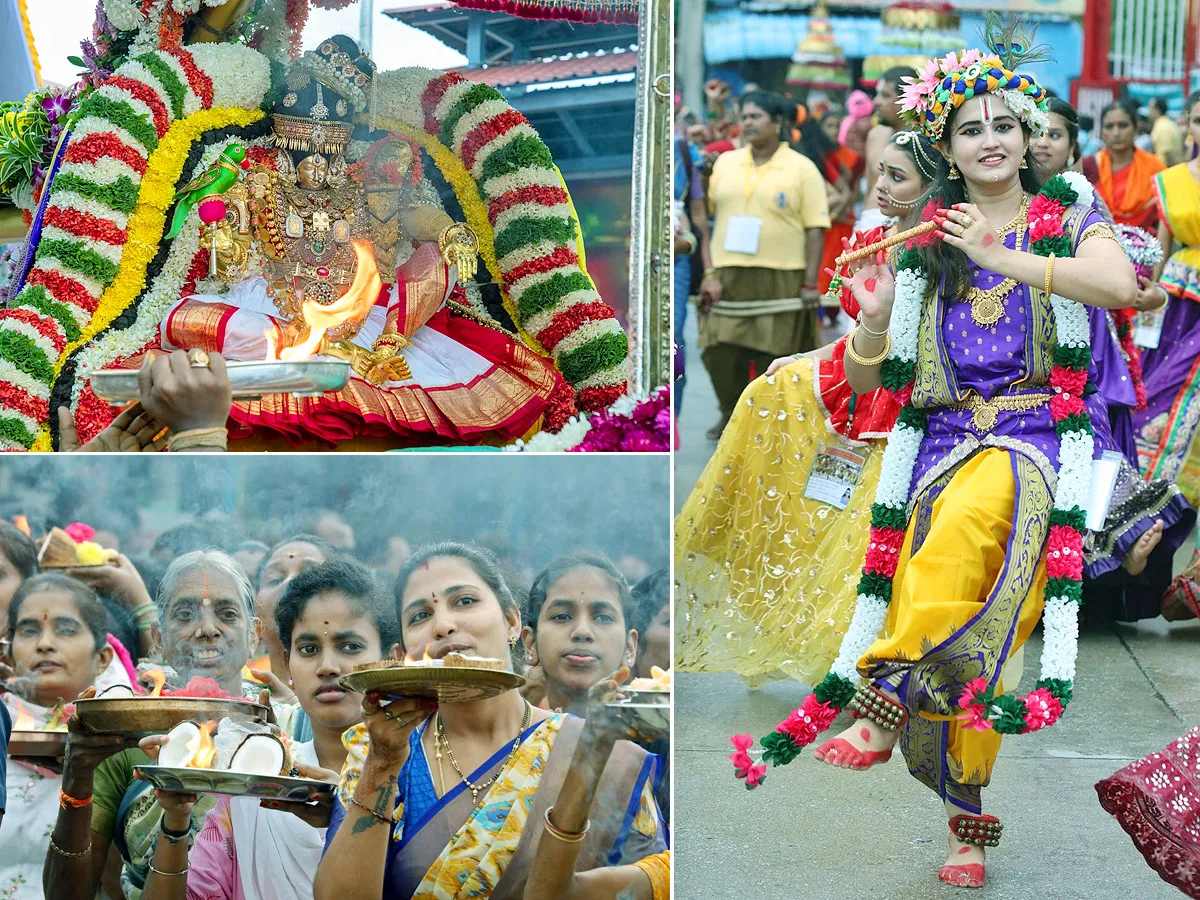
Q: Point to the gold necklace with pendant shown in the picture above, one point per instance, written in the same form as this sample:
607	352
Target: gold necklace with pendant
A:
987	304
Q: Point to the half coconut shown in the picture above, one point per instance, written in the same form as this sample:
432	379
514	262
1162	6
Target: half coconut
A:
261	754
182	743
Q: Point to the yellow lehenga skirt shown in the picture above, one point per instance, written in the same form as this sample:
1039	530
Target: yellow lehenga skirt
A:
766	578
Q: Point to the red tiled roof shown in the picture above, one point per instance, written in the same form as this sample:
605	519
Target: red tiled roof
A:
543	71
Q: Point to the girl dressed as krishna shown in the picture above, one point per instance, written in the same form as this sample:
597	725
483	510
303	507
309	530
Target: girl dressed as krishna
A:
979	328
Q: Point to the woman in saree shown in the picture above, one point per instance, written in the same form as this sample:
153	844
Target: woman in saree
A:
206	611
1122	173
452	803
331	618
749	540
968	514
61	651
1166	429
553	873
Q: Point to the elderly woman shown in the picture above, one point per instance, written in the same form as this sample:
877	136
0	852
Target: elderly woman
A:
60	649
467	824
206	607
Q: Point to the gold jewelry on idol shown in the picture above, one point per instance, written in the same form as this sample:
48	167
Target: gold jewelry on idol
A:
855	356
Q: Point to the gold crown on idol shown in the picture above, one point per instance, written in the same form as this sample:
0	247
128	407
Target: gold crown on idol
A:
308	135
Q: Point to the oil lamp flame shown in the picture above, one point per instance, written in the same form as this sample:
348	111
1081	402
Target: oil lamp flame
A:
204	752
352	306
25	720
159	679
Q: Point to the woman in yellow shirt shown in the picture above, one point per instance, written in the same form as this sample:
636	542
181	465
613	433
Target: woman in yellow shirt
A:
760	300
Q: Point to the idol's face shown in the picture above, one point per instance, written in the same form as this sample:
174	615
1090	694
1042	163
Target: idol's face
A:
313	172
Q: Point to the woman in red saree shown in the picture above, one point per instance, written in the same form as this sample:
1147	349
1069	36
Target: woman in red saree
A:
1123	174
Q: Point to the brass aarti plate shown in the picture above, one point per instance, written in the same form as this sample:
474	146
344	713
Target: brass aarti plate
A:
140	717
279	788
446	684
37	743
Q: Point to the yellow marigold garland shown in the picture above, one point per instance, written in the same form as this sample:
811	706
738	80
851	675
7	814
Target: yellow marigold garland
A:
467	192
147	223
23	12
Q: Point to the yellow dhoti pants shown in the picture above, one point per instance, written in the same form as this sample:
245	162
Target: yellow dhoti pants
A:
966	596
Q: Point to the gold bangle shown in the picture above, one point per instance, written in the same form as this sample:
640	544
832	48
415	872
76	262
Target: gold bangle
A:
1049	275
567	837
862	360
61	852
198	437
168	874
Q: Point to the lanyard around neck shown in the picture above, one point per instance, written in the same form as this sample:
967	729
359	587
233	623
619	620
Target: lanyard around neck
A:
755	174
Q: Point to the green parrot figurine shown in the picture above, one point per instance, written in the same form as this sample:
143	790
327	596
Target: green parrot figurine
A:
216	179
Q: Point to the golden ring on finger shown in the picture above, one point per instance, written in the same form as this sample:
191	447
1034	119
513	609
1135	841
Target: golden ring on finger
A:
967	221
199	359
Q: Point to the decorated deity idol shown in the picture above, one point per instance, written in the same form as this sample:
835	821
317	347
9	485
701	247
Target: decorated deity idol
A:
297	226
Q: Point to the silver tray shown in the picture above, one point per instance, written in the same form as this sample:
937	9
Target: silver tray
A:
250	380
647	711
234	784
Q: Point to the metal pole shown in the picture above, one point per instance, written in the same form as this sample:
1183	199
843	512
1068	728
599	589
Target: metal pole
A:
689	54
366	23
650	238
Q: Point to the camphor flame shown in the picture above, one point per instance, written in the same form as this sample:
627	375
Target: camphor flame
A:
204	752
410	658
159	678
25	720
352	306
22	525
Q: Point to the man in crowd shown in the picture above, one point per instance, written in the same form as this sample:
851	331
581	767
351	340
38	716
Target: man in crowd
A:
887	114
1165	134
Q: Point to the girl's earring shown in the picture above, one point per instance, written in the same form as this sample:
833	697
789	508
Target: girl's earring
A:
954	176
1024	162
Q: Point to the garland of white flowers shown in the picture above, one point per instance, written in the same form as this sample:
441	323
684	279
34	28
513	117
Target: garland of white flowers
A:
983	709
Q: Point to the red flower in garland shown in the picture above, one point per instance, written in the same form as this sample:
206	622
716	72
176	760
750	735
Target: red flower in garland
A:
1071	381
1044	709
883	552
755	776
1064	553
1064	404
1045	208
80	532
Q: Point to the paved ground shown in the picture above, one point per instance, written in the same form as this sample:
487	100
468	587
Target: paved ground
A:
815	833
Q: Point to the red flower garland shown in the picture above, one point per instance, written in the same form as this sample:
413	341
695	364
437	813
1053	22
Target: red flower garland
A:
1124	319
92	147
483	134
64	288
534	193
142	91
570	319
24	402
200	83
432	95
85	225
46	327
562	256
596	398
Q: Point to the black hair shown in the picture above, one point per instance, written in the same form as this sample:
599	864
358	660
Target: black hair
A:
344	576
1192	99
1158	103
1086	123
121	624
18	549
91	610
650	595
1125	106
938	256
564	564
815	144
927	159
775	106
1069	115
896	74
329	551
482	561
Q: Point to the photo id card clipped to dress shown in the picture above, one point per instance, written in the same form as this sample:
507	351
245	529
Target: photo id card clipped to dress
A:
1148	326
741	234
833	476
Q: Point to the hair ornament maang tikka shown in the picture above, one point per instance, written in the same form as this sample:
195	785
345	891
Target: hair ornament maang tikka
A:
920	155
929	97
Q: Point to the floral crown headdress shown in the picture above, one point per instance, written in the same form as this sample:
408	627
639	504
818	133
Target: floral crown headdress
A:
928	99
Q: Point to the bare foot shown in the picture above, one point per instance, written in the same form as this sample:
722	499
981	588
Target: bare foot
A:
860	746
964	866
1139	553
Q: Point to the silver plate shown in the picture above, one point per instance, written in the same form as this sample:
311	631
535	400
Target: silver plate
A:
234	784
647	711
309	378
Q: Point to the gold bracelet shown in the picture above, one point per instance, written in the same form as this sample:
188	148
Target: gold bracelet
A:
168	874
61	852
567	837
198	437
862	360
1049	274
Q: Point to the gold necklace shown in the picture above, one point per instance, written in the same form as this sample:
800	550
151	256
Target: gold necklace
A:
440	739
987	305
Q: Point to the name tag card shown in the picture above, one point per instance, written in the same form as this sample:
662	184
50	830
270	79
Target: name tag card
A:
741	234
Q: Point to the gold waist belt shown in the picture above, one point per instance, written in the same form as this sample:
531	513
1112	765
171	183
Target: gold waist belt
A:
984	413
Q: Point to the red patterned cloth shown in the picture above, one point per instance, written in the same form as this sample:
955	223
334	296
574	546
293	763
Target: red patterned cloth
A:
1157	801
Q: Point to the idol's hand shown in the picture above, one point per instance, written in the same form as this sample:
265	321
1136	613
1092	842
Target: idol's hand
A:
460	248
968	229
875	290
